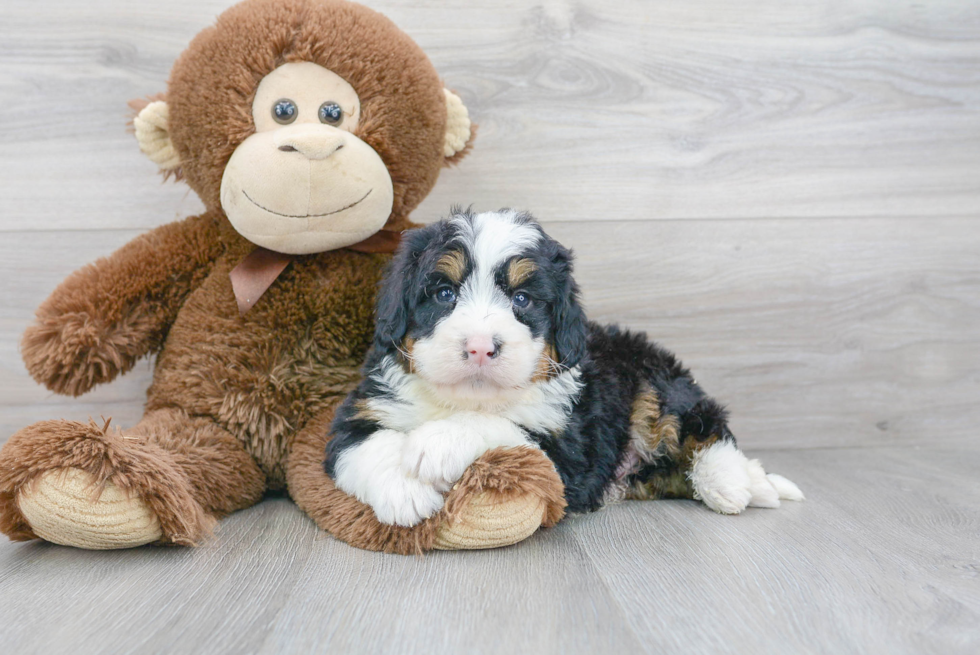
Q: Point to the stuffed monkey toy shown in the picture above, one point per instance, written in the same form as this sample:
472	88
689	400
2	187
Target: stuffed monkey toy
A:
310	129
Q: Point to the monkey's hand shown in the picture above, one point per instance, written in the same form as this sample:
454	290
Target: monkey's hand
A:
104	317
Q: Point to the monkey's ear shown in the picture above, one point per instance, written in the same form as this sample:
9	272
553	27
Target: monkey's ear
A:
459	129
152	128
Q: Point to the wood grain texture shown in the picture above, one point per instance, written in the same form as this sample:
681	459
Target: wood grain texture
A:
882	557
588	110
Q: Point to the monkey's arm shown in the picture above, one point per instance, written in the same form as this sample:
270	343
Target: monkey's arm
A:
104	317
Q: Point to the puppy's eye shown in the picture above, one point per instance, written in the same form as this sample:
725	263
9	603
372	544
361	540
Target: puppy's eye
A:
284	111
331	113
446	295
521	300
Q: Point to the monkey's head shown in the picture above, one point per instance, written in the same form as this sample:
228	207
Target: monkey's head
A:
312	123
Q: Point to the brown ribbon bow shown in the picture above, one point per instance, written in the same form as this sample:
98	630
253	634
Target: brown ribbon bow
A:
253	276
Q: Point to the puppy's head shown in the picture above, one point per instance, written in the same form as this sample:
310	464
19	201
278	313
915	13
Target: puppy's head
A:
482	303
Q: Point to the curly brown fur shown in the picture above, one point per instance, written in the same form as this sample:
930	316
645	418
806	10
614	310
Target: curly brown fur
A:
223	476
106	316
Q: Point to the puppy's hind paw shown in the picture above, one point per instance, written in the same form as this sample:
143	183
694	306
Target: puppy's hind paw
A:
786	489
764	494
727	482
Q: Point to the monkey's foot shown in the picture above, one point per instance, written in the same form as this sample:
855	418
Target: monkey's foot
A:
65	506
87	486
489	521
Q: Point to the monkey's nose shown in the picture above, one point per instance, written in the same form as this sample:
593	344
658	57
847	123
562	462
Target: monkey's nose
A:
311	141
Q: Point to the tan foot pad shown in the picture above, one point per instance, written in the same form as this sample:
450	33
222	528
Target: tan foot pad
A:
489	522
60	508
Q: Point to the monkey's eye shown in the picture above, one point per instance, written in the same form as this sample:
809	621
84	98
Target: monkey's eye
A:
521	300
284	111
446	295
331	113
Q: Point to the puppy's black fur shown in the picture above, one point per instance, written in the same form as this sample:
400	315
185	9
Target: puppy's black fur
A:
619	366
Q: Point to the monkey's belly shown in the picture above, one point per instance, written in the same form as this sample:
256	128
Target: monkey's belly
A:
262	395
263	377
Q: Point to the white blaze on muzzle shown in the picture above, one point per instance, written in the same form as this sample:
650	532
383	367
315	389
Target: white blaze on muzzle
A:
483	312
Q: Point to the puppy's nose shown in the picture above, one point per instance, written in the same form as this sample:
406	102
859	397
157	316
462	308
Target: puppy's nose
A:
480	350
311	141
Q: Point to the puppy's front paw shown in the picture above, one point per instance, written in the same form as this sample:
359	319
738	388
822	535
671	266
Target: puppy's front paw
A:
727	482
438	452
371	472
405	501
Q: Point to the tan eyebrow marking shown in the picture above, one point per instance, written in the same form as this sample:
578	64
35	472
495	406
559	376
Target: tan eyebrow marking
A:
519	270
453	265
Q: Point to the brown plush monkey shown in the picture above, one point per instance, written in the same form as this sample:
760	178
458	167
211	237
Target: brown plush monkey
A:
310	129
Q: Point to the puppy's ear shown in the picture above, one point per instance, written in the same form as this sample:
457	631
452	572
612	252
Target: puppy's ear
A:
568	318
393	307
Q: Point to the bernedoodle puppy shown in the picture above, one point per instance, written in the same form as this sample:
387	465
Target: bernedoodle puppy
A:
481	342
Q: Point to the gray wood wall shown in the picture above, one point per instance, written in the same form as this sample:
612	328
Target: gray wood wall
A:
787	194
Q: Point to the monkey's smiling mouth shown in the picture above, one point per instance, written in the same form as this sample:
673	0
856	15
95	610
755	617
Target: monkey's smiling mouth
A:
336	211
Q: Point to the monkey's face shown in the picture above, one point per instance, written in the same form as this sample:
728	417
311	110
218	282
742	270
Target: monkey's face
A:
304	182
310	124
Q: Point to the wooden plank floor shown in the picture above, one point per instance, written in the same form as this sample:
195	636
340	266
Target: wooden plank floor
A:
881	558
787	194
